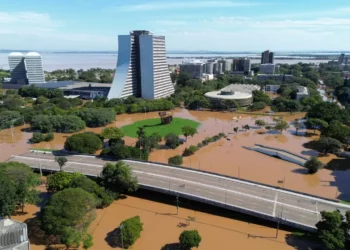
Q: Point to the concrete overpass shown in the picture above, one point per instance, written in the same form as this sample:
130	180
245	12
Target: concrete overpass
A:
290	208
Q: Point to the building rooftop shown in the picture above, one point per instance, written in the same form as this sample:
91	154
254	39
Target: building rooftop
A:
7	225
16	54
32	54
245	88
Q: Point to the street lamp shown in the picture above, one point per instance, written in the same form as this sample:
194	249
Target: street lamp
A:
121	232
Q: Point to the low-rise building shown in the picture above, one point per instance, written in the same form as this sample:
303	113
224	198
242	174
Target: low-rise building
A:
207	77
276	77
13	235
272	88
302	92
268	68
346	74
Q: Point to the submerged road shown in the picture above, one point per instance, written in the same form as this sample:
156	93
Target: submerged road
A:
274	204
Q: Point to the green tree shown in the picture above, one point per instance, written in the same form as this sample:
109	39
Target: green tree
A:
331	230
172	140
189	239
60	180
258	106
112	133
141	132
118	178
297	125
25	182
61	161
313	165
327	144
86	143
97	117
71	237
338	131
130	231
37	137
189	131
8	197
281	125
314	123
70	208
175	160
259	96
260	123
87	241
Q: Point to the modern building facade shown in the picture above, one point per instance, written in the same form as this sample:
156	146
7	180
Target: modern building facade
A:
267	68
26	69
241	64
34	67
195	69
267	57
302	92
17	68
13	235
210	67
142	69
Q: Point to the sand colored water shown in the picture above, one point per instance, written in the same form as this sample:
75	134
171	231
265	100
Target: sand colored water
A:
226	156
162	226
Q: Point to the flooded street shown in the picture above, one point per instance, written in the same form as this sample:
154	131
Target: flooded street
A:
161	226
226	156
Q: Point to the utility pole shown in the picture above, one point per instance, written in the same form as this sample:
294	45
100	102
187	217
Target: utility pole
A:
121	232
37	156
177	204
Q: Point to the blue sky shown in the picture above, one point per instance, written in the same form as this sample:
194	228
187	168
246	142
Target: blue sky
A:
222	25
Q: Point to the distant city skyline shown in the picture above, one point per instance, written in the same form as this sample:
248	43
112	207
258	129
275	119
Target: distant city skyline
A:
188	25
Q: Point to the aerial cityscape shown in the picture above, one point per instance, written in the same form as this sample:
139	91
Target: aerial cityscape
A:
175	125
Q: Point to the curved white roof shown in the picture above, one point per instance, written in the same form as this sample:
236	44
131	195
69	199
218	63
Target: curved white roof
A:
236	96
16	54
34	54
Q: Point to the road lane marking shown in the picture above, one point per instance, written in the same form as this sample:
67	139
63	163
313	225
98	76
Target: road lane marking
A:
222	189
274	205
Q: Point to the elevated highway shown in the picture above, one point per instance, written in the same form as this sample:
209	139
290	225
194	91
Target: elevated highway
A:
274	204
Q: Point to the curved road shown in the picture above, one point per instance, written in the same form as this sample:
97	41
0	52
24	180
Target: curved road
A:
266	202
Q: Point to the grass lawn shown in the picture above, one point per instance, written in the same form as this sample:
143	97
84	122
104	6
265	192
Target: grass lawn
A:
345	202
155	125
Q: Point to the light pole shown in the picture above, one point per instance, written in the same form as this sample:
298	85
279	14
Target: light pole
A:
121	232
37	156
177	204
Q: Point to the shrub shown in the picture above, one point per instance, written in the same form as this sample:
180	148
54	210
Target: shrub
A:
260	123
132	229
200	145
190	151
172	141
87	143
37	137
313	165
175	160
189	239
97	117
258	106
49	137
222	135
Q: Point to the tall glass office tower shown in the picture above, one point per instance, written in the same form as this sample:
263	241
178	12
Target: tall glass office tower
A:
17	68
142	68
34	66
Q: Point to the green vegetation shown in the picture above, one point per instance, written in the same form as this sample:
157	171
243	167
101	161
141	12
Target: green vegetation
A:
175	160
130	231
39	137
118	178
190	151
155	126
112	133
333	229
281	125
61	161
97	117
260	123
20	182
68	214
189	239
32	91
327	144
188	131
86	143
60	180
313	165
172	141
314	123
57	123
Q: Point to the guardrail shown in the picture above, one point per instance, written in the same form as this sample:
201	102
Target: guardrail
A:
282	150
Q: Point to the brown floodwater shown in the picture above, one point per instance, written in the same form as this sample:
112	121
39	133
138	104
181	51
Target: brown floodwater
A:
162	226
226	156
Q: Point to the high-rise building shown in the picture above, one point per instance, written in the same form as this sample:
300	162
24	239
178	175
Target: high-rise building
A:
142	68
210	67
34	67
341	58
241	65
267	68
195	69
17	68
267	57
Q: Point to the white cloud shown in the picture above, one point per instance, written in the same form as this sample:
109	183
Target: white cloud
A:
150	6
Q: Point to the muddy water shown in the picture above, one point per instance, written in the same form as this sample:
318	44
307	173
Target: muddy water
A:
162	226
226	156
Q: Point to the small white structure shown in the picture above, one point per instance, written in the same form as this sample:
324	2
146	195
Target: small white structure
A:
302	92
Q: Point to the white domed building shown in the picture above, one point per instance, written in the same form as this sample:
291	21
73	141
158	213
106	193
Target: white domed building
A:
240	93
